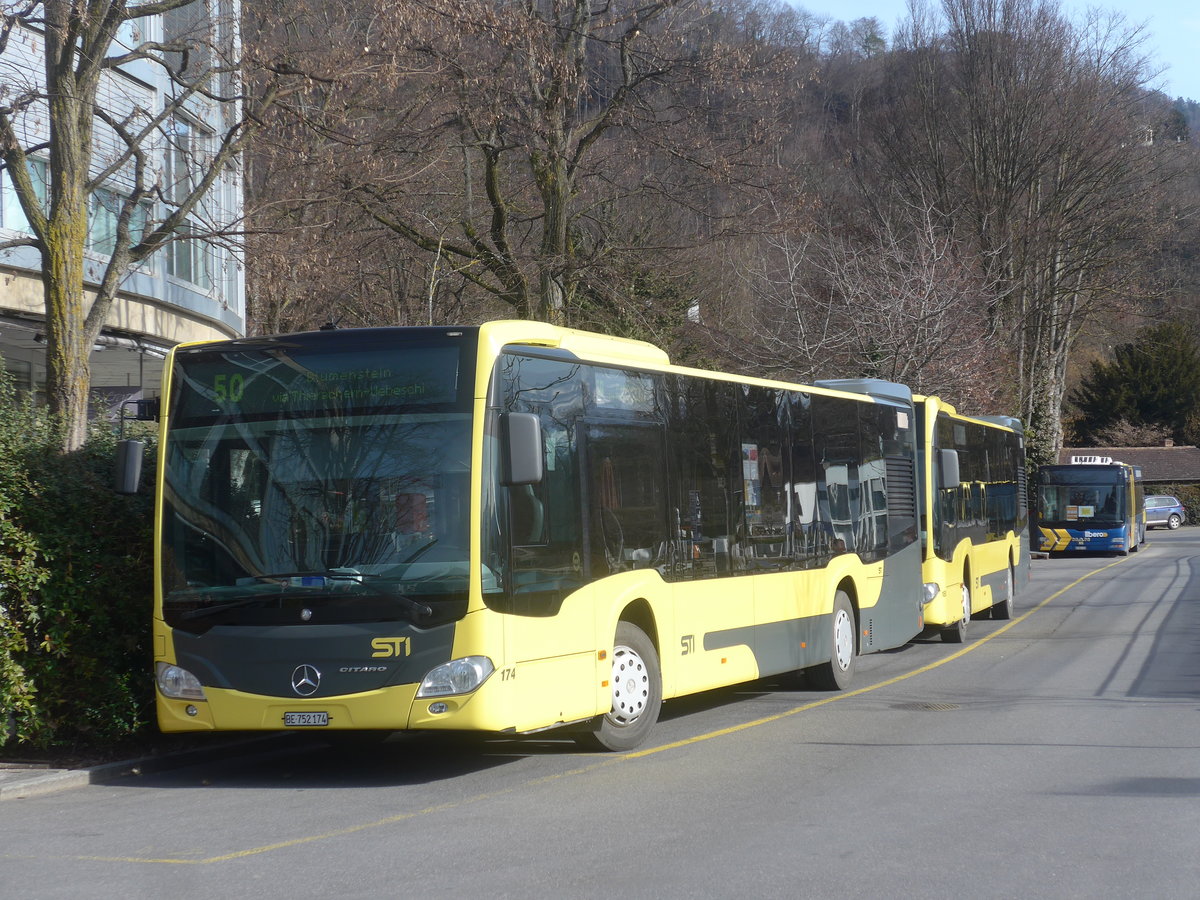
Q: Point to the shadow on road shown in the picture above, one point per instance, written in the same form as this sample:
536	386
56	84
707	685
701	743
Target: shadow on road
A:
373	760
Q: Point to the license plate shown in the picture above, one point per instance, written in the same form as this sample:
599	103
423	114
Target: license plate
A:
305	719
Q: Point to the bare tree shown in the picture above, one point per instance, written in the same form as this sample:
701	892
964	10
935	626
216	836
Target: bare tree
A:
316	257
1026	131
92	135
532	157
895	301
1124	433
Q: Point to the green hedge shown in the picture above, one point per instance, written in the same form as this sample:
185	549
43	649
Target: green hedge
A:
75	588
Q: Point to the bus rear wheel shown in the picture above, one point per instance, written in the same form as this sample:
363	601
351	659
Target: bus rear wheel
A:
636	692
837	674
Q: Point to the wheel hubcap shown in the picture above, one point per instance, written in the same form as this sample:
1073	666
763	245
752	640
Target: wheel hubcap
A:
843	639
966	603
630	686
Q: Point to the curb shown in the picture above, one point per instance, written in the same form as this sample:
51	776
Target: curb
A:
25	783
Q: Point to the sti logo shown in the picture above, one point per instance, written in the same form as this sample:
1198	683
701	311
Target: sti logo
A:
389	647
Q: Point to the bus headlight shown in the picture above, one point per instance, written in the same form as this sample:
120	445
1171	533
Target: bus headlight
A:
932	589
177	683
459	676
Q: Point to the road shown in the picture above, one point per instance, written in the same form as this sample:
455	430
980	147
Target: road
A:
1056	755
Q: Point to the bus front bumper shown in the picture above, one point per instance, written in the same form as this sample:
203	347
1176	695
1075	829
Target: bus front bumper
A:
389	709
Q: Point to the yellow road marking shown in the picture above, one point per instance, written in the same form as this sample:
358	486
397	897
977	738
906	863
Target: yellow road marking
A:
608	761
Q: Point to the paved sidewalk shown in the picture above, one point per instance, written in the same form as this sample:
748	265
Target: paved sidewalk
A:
21	780
18	780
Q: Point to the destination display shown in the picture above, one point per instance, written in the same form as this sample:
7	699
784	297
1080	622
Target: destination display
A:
249	384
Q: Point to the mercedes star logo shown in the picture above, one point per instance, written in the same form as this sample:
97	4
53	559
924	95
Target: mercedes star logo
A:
305	680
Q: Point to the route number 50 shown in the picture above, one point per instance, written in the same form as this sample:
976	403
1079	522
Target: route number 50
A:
229	387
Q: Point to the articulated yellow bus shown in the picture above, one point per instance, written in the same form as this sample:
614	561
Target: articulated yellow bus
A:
514	527
974	521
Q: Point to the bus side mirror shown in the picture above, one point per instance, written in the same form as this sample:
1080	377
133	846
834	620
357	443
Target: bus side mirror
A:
148	410
950	476
521	440
129	466
130	452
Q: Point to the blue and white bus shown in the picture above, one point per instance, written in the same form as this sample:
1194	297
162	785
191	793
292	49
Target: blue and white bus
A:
1094	504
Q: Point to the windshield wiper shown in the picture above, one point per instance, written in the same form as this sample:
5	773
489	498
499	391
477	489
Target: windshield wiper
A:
327	573
418	609
205	611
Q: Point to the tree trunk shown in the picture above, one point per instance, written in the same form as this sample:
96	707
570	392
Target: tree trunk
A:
68	348
552	261
68	344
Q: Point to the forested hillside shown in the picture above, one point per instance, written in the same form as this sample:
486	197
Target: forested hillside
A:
960	205
1190	110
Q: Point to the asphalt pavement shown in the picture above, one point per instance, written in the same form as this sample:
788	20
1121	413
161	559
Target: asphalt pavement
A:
18	780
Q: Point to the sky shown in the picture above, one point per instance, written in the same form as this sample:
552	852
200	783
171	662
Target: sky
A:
1172	31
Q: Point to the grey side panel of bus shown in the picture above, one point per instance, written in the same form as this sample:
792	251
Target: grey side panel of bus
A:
783	646
996	581
1021	578
892	622
1020	571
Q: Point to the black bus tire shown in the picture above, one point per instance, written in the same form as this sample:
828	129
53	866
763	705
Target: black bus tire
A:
957	633
1004	609
837	674
637	693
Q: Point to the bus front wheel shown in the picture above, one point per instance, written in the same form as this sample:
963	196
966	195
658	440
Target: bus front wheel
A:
636	693
957	633
1004	609
837	674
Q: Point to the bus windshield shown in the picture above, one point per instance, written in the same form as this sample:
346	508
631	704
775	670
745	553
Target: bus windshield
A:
1082	495
336	491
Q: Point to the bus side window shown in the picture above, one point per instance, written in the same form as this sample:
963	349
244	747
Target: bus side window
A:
836	443
627	497
541	523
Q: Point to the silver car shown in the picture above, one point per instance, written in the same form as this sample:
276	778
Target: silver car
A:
1164	511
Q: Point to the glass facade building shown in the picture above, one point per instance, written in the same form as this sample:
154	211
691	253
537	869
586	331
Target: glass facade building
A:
192	288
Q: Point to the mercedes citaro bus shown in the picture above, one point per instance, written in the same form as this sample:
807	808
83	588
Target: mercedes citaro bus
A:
517	527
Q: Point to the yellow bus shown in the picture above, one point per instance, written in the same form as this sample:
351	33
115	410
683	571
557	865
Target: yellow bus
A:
514	527
974	520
